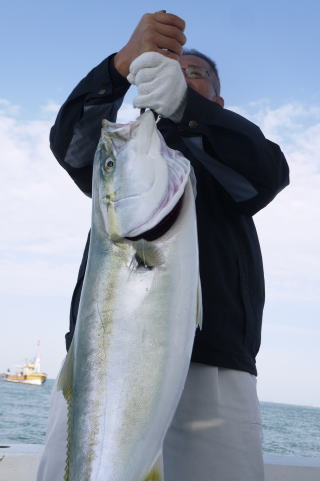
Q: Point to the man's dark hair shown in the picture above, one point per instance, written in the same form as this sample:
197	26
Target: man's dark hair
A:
196	53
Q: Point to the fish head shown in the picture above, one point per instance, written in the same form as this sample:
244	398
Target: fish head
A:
132	175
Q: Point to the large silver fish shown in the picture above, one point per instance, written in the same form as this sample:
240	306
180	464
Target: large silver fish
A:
127	365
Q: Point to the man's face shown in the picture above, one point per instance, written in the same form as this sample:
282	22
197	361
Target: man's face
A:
204	86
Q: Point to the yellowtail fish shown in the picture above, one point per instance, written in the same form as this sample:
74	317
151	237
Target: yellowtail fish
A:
140	304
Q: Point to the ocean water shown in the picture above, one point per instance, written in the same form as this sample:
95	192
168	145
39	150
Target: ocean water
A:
291	430
287	429
24	412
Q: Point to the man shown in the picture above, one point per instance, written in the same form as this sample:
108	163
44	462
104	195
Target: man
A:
216	433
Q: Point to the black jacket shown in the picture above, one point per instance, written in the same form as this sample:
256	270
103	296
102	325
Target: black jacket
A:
238	173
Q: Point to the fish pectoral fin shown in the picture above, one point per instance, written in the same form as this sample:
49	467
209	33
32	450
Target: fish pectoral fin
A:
148	254
199	306
65	380
156	472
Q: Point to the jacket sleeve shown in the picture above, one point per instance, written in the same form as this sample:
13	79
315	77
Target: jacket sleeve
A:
75	134
237	146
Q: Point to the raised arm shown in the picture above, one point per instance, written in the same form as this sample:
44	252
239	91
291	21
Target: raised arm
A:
75	134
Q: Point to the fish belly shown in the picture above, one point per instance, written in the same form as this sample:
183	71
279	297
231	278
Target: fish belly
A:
131	354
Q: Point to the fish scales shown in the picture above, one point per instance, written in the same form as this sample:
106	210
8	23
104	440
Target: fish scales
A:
128	361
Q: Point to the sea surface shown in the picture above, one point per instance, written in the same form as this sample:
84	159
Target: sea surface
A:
287	429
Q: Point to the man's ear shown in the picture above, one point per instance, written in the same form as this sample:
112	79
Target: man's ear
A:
220	101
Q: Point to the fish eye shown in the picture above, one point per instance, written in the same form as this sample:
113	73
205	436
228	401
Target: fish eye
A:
108	165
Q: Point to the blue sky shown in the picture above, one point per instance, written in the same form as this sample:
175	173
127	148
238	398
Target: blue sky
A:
267	57
264	49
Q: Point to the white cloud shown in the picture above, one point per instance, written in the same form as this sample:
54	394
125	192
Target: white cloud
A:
42	211
290	227
7	108
51	107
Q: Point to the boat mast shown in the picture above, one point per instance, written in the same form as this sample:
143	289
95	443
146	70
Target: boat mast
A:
37	359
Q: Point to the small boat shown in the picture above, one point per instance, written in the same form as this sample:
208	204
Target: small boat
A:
30	373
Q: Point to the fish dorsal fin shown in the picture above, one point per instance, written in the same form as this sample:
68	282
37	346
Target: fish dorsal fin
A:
199	306
65	380
156	472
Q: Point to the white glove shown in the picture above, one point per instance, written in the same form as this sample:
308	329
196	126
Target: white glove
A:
161	84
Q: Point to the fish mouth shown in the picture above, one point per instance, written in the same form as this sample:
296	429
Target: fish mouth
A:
112	197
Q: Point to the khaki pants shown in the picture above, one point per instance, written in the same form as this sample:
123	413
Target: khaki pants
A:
216	432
